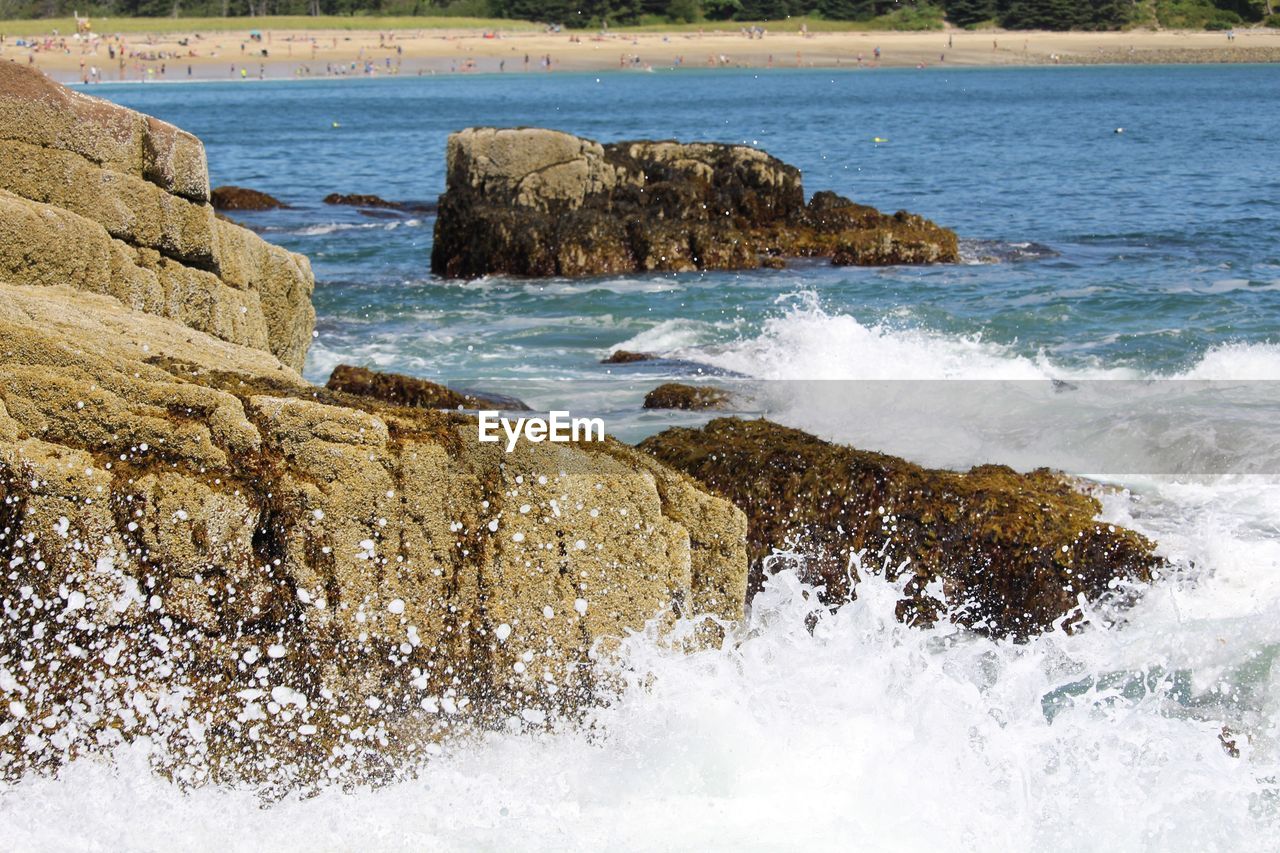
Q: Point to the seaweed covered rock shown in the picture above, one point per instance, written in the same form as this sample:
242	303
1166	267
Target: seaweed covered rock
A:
676	395
540	202
623	356
1014	550
243	198
401	390
102	198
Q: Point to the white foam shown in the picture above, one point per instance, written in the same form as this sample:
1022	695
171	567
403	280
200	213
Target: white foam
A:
1237	361
862	732
806	342
676	335
321	229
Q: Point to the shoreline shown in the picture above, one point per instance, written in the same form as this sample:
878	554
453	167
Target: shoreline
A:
1151	62
301	54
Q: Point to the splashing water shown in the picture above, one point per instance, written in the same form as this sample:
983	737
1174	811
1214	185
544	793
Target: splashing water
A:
858	732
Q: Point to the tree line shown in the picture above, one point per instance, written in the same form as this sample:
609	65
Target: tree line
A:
889	14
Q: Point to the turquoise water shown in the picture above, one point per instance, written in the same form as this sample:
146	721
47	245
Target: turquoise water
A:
1165	236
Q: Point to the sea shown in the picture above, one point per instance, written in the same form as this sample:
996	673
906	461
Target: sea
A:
1116	316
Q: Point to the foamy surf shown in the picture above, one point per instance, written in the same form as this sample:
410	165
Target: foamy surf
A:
322	229
807	340
861	732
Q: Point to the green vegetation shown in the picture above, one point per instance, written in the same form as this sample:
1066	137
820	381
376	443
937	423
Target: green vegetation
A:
1210	14
212	15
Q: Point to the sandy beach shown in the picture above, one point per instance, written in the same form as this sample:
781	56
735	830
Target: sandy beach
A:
279	54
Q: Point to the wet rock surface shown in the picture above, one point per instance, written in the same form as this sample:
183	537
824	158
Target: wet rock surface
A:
273	581
541	203
627	357
1015	551
676	395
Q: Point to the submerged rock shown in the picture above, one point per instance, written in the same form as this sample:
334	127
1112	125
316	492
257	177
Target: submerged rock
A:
623	356
401	390
675	395
243	198
541	202
274	581
374	203
1015	551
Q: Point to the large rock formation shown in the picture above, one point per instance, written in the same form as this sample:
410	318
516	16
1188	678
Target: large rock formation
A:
1015	551
540	202
275	580
111	201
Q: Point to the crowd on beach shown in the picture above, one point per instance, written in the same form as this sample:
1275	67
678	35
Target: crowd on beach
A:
89	57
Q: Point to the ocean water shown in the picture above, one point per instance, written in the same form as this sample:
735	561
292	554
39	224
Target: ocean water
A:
1118	316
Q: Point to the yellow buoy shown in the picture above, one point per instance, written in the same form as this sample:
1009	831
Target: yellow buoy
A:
879	139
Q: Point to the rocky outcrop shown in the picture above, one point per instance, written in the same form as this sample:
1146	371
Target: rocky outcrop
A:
540	202
623	356
401	390
106	199
1013	551
243	198
676	395
276	581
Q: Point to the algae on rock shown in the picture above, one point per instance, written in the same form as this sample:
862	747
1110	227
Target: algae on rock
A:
528	201
1012	551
